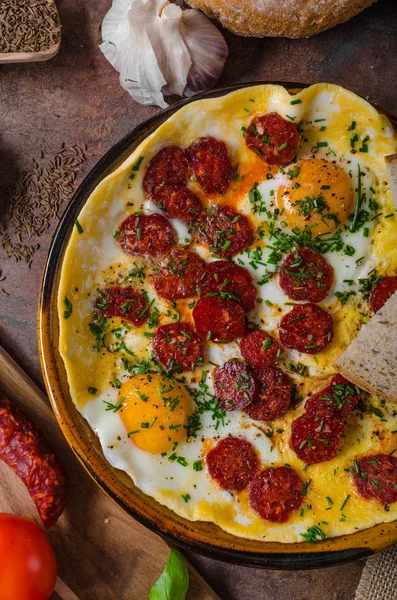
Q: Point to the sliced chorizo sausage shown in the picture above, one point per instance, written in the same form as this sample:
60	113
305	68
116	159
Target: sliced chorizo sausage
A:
315	436
375	476
26	451
272	395
382	292
168	167
146	235
179	275
225	231
178	347
211	164
272	138
306	275
260	349
229	280
341	395
218	319
306	328
124	302
234	385
274	494
178	202
233	463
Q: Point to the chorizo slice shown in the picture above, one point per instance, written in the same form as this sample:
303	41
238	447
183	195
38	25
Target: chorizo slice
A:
306	275
385	288
260	349
341	395
211	164
306	328
272	395
179	275
375	476
225	231
234	385
146	235
272	138
274	494
178	347
229	280
124	302
168	167
218	319
26	451
233	463
315	436
178	202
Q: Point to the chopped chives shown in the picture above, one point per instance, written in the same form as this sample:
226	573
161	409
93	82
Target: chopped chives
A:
346	500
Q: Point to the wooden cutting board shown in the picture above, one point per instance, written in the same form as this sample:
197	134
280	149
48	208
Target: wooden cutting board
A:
102	553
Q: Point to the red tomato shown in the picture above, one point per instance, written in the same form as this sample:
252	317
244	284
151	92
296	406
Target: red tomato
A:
28	568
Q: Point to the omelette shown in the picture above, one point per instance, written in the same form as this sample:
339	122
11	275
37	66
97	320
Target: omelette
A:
207	288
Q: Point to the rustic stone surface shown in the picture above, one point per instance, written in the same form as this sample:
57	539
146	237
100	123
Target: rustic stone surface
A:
76	97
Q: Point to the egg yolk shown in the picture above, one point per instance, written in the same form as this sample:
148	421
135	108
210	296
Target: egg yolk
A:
319	195
154	412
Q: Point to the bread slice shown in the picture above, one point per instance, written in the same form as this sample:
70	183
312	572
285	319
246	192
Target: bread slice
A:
371	359
391	165
280	18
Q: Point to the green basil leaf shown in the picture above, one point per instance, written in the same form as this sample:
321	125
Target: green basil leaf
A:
173	581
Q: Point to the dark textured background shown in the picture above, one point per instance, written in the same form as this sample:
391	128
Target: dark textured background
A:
76	97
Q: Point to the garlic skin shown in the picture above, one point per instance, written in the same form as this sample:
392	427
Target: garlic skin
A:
172	54
159	49
127	47
208	49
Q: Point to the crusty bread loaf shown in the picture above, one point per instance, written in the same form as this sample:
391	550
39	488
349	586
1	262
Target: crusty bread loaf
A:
391	165
280	18
371	359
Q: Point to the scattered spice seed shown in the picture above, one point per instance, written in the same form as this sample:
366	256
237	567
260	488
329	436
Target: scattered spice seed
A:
36	198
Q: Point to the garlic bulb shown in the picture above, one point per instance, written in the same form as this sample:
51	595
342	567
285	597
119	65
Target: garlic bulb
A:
159	49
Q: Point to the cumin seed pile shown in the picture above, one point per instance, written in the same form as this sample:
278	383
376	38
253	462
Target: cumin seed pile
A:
28	25
36	198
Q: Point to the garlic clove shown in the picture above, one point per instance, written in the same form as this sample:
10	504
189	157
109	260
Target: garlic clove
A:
127	47
115	29
170	11
141	74
208	49
171	51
